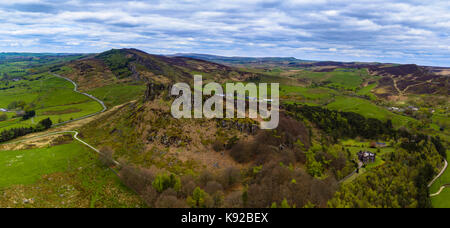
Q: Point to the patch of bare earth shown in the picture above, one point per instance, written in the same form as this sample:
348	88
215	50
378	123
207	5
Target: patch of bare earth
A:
35	141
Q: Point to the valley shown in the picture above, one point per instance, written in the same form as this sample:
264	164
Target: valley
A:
121	107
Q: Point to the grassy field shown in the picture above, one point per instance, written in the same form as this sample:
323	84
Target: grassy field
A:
26	167
306	95
67	175
50	97
442	200
367	91
113	95
368	109
355	146
347	79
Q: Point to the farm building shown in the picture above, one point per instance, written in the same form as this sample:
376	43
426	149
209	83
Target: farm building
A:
366	157
381	145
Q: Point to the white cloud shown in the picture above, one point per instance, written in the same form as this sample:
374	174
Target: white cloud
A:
335	30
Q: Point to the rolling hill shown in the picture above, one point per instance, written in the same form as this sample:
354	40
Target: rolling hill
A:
329	113
131	65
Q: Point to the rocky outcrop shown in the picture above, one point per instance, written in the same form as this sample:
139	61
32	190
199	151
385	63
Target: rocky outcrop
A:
154	90
242	127
168	141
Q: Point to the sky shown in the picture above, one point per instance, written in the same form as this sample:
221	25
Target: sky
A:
410	31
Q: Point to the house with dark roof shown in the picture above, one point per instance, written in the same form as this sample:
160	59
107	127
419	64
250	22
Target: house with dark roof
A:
381	145
366	157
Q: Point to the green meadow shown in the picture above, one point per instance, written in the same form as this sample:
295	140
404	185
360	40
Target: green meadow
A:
367	91
23	167
49	96
368	109
355	146
67	175
346	78
305	95
117	94
442	200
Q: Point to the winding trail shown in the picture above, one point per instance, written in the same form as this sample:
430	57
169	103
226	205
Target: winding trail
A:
75	133
360	165
75	89
437	177
75	136
400	93
440	190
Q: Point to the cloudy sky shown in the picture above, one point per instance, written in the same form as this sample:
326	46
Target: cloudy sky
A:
410	31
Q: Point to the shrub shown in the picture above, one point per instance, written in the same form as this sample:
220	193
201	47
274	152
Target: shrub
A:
3	117
106	156
199	199
217	145
137	179
46	123
234	200
213	187
230	177
164	181
169	201
29	114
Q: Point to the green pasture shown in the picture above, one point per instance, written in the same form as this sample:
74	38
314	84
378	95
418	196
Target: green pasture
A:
368	109
50	97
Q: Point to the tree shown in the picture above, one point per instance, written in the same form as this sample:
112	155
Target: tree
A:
106	156
198	198
46	123
163	182
16	104
3	117
285	204
29	114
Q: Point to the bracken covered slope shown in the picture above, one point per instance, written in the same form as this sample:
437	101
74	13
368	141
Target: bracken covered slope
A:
126	65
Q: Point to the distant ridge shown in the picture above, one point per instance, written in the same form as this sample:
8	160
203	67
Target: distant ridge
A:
243	60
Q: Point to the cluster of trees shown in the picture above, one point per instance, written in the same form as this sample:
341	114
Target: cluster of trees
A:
8	87
163	190
117	62
288	143
271	185
418	142
17	104
401	183
275	184
3	117
341	124
351	125
29	114
13	133
325	160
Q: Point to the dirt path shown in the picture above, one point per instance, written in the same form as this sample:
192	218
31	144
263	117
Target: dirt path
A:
75	89
437	177
75	136
360	165
72	126
408	87
440	191
400	93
